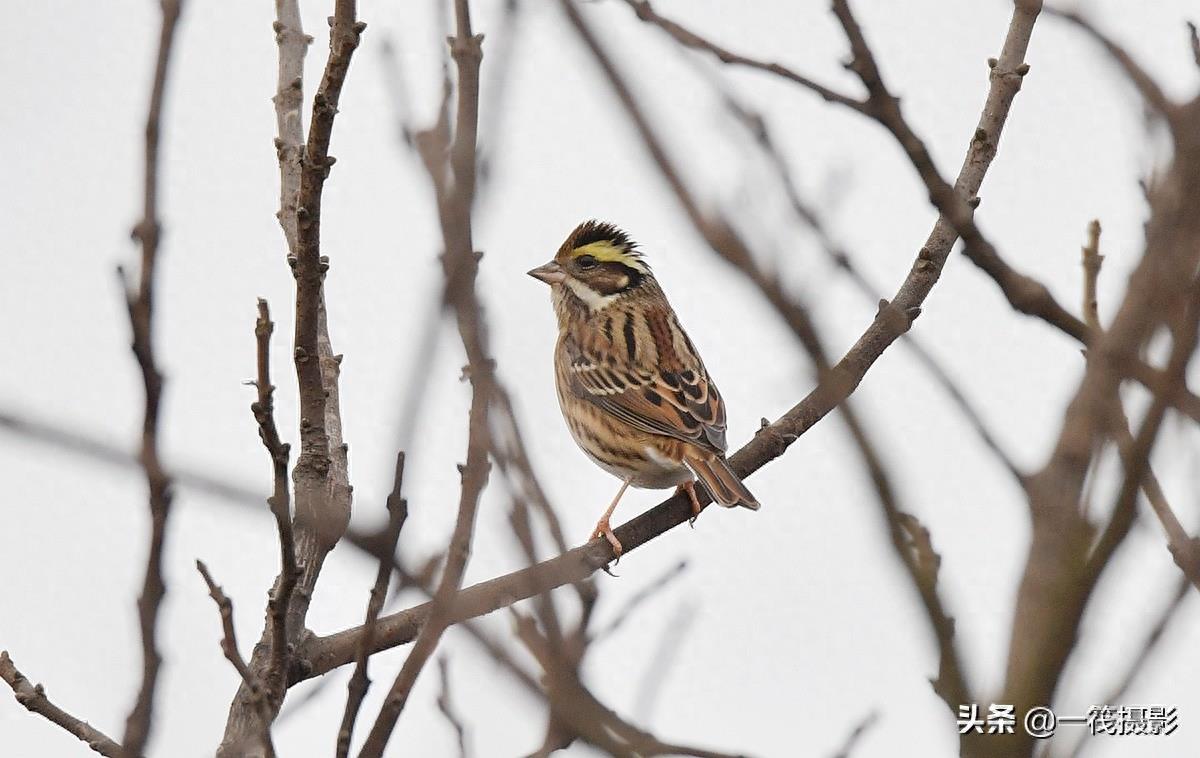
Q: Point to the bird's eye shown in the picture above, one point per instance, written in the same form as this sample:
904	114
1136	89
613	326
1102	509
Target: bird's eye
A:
586	262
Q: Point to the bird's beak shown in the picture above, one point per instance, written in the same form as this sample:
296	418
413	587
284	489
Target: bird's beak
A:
550	273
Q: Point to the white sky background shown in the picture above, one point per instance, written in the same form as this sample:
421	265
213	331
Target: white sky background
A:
802	619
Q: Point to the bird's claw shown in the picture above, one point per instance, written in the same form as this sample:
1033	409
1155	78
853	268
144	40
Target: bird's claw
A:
690	489
604	530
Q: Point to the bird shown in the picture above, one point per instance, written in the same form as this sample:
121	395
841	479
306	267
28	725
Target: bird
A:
631	386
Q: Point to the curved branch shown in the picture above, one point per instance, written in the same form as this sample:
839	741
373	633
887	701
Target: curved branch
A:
319	655
1149	90
33	698
694	41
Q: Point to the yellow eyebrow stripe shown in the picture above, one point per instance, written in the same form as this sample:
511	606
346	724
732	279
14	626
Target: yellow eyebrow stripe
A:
609	253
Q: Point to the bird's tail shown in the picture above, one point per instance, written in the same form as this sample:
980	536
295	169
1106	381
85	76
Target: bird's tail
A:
714	473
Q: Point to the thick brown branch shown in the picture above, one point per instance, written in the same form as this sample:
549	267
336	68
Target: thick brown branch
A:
1060	571
316	509
726	242
956	204
1024	293
840	258
33	698
320	477
321	654
141	318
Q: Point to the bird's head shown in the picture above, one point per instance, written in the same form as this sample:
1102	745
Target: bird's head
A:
597	265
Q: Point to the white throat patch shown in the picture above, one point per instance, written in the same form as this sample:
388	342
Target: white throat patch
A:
594	300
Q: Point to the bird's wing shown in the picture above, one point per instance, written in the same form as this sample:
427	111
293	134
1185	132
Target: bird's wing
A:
666	392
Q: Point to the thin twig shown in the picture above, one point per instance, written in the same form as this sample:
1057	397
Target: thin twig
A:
696	42
1136	456
724	240
1185	550
141	317
1024	293
1145	652
639	598
864	724
581	713
33	698
359	682
665	653
321	478
1092	261
461	265
757	127
68	438
447	708
1065	561
229	647
279	501
1194	38
1151	93
1169	613
229	644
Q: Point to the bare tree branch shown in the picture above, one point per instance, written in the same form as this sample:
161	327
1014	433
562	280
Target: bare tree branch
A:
639	598
317	508
756	125
696	42
1136	456
950	683
318	655
1151	93
397	508
141	317
33	698
1194	37
99	449
1185	550
1145	652
229	644
577	709
461	265
279	501
861	728
229	647
447	708
1025	294
320	477
1063	568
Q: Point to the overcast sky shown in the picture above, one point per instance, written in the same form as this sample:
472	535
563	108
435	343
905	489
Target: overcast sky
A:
801	621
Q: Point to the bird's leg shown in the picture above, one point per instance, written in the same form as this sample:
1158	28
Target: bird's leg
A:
690	488
603	529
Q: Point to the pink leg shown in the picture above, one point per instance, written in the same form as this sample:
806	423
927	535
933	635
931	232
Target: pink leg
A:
604	529
690	488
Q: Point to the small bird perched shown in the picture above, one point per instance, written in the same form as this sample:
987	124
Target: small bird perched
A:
631	385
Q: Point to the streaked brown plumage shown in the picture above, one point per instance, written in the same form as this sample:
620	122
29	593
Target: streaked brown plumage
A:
632	388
